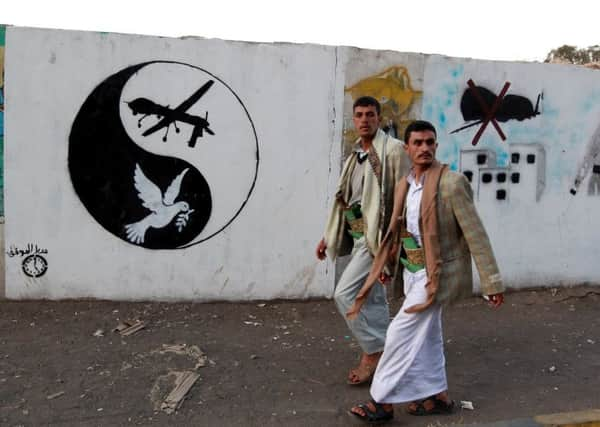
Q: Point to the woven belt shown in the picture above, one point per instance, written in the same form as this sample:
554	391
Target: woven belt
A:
415	255
357	225
355	221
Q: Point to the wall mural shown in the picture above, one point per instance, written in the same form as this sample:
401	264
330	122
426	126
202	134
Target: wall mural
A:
508	163
392	88
148	163
2	43
589	163
523	178
33	263
481	105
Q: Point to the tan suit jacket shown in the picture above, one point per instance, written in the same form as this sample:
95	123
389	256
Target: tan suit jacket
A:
461	236
452	233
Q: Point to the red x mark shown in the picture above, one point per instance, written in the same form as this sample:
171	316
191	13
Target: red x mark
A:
489	113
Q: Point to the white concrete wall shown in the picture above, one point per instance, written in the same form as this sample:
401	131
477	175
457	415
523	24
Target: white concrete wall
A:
542	234
255	239
266	251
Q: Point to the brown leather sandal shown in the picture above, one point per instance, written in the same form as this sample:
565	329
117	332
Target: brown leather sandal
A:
373	413
439	407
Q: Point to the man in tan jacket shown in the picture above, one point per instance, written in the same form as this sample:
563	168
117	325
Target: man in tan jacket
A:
433	233
360	213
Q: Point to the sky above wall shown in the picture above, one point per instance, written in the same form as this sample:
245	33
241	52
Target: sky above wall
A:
503	30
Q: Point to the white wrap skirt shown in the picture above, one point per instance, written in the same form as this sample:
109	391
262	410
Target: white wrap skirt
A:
412	366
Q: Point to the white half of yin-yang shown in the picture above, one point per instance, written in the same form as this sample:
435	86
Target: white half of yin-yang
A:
227	159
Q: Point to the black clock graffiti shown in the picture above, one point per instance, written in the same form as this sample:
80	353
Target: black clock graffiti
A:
147	199
34	265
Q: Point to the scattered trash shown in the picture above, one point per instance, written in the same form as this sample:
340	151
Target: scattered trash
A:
183	383
591	342
192	351
261	305
98	333
465	404
126	328
552	368
253	356
246	322
55	395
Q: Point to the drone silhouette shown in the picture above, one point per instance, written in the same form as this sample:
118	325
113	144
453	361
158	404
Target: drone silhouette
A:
170	116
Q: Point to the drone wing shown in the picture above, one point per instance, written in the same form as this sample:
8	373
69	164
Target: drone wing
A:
185	105
171	115
167	120
173	190
148	192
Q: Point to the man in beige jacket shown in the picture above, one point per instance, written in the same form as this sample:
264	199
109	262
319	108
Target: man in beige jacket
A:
360	212
434	232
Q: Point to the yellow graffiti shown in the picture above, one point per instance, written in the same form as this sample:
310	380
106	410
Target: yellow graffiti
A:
392	88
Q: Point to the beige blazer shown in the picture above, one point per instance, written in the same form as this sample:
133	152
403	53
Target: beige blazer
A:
460	235
336	236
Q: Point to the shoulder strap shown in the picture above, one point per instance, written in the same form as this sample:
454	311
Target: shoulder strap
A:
375	163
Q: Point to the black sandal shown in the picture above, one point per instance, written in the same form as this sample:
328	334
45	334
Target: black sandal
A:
439	407
378	416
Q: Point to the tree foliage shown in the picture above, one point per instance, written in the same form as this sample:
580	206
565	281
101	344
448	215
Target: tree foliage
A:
572	55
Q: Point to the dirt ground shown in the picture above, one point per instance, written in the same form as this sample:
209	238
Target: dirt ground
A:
282	363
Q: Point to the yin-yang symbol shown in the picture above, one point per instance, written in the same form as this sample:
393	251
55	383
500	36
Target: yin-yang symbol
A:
163	155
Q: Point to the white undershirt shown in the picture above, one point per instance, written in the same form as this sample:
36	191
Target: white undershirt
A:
357	178
413	206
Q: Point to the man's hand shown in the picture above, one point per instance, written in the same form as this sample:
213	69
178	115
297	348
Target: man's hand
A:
353	311
321	255
384	278
496	300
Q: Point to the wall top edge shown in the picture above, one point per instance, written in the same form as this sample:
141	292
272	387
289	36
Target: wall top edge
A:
349	49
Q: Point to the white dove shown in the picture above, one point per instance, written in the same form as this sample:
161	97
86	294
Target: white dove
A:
163	207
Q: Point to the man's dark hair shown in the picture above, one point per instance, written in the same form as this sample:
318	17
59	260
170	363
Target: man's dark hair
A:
367	101
418	126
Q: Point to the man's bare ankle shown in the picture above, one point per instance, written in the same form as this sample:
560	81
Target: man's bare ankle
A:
373	357
443	396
